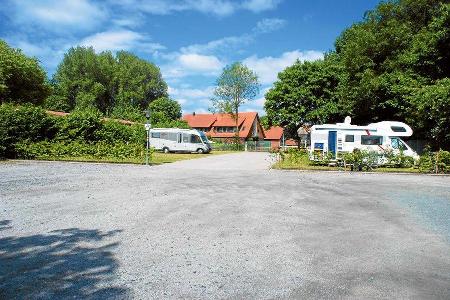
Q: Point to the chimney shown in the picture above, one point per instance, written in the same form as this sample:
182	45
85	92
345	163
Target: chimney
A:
193	113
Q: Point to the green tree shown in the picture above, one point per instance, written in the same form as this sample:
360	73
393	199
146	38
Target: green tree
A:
236	85
399	47
165	109
306	92
430	112
22	80
120	86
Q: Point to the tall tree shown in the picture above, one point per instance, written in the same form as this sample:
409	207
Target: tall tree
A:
22	80
121	86
236	85
306	92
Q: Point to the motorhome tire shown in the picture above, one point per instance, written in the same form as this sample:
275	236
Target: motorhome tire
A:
166	150
200	151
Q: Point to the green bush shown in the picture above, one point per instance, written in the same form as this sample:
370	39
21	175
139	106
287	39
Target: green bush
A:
435	162
98	150
398	160
113	132
20	123
80	125
361	159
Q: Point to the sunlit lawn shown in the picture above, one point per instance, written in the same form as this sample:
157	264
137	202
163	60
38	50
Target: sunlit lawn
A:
156	158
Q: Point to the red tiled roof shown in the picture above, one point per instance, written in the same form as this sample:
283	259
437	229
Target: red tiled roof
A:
63	114
274	133
200	120
57	113
211	121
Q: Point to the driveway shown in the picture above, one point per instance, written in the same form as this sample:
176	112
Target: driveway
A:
220	227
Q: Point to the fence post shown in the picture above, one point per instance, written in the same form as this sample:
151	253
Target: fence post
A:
245	146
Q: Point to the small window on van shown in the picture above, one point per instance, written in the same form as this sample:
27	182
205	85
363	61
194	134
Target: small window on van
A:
186	138
195	139
156	135
164	135
398	129
371	140
172	136
349	138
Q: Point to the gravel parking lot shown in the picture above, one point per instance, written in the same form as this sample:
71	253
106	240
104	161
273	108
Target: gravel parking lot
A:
220	227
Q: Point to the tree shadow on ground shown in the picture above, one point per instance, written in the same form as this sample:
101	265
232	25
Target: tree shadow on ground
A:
5	224
68	263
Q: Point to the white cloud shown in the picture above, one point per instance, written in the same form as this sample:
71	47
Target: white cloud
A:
191	93
268	67
219	45
199	62
219	8
269	25
120	40
260	5
54	14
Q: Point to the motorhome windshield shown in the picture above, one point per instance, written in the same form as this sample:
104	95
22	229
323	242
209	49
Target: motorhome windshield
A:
204	138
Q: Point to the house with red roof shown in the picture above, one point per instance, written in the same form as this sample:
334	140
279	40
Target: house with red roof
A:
275	135
223	126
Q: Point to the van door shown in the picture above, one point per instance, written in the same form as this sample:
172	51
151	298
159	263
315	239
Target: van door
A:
332	142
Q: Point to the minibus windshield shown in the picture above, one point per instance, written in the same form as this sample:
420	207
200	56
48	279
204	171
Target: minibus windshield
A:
204	138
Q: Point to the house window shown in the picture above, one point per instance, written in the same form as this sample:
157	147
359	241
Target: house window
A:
349	138
371	140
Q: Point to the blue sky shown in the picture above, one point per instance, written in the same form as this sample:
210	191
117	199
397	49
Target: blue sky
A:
190	40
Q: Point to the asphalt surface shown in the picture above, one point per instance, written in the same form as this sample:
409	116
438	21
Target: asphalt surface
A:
220	227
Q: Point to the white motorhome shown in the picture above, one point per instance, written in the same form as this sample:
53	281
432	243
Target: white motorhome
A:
179	140
345	137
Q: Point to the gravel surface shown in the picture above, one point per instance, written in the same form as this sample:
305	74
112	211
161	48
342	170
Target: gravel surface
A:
220	227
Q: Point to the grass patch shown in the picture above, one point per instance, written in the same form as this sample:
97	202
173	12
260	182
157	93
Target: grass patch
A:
156	159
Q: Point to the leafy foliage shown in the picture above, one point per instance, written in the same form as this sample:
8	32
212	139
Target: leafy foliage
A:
394	65
19	123
304	92
236	85
122	85
22	80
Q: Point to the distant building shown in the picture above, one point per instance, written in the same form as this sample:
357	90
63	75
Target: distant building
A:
275	136
223	126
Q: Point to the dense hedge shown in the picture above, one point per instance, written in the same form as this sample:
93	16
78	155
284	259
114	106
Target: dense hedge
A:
97	150
26	130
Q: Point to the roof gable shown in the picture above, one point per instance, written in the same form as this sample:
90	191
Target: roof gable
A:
274	133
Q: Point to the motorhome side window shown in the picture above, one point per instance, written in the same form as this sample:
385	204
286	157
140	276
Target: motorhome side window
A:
186	138
349	138
156	135
371	140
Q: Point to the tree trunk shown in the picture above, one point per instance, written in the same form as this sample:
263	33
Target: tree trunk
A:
237	125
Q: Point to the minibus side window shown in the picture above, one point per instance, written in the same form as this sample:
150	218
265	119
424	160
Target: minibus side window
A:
195	139
156	135
186	138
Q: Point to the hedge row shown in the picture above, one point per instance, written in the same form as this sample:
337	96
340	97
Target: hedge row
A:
28	124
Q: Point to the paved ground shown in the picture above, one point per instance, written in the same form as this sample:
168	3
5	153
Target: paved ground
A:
220	227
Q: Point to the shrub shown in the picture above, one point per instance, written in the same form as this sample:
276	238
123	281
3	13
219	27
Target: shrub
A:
61	149
19	123
435	162
80	125
113	132
361	159
398	160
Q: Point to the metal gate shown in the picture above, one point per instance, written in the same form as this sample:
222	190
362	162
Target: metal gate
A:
258	146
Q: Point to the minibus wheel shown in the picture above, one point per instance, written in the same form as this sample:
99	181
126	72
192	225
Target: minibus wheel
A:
166	150
200	151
